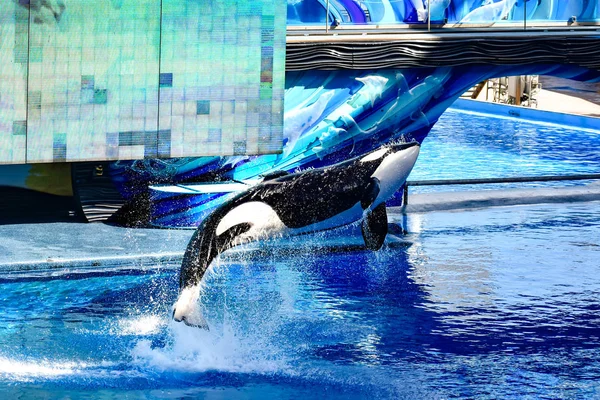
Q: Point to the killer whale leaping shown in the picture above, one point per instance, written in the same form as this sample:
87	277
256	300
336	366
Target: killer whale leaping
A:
295	204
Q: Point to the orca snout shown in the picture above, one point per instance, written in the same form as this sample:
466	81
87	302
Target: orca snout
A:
395	168
187	310
194	322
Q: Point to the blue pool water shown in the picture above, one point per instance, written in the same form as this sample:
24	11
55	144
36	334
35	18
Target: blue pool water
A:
465	145
496	303
490	303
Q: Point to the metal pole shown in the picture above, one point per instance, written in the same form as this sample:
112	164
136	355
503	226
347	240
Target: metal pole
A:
428	16
327	18
516	179
525	15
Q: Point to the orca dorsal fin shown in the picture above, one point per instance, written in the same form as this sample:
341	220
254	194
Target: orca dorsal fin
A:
274	175
374	227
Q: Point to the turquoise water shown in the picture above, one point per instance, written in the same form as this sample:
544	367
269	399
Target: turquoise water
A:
490	304
464	145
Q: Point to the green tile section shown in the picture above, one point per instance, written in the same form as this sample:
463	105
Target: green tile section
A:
196	78
13	82
214	52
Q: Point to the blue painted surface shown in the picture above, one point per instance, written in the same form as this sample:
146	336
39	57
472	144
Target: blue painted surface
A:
484	304
461	12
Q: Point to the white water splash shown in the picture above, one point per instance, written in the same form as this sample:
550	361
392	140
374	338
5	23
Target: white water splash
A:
195	350
231	345
140	325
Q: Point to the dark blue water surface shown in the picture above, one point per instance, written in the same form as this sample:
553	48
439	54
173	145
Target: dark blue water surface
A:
493	303
496	303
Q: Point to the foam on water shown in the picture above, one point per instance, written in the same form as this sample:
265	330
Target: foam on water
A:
196	350
229	346
37	368
141	325
31	370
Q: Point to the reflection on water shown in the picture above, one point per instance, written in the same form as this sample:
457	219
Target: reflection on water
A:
486	303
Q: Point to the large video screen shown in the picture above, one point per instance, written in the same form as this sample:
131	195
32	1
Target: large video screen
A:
84	80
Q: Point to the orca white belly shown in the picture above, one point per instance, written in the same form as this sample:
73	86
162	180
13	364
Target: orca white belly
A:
263	220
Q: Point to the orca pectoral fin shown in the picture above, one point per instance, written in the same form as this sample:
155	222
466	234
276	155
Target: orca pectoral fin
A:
228	238
370	193
375	227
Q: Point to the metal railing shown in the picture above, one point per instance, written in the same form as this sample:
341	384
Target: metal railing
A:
484	181
331	22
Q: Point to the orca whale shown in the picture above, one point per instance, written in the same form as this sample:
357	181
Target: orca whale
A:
294	204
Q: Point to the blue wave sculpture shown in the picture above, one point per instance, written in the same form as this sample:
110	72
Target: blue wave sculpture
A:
329	116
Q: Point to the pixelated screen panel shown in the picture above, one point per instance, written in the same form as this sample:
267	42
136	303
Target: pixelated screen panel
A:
14	27
222	77
127	79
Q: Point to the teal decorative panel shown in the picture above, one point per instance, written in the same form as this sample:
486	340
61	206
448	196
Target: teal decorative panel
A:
14	27
92	73
84	80
216	58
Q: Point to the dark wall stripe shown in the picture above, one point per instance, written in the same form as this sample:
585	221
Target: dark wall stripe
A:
449	52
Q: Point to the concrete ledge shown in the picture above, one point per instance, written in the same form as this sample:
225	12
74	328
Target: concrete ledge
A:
53	249
62	266
531	114
443	201
62	246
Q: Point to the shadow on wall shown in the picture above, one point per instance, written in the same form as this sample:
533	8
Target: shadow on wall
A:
24	206
37	193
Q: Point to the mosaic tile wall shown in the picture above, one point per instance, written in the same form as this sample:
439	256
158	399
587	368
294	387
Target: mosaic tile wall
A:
88	80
